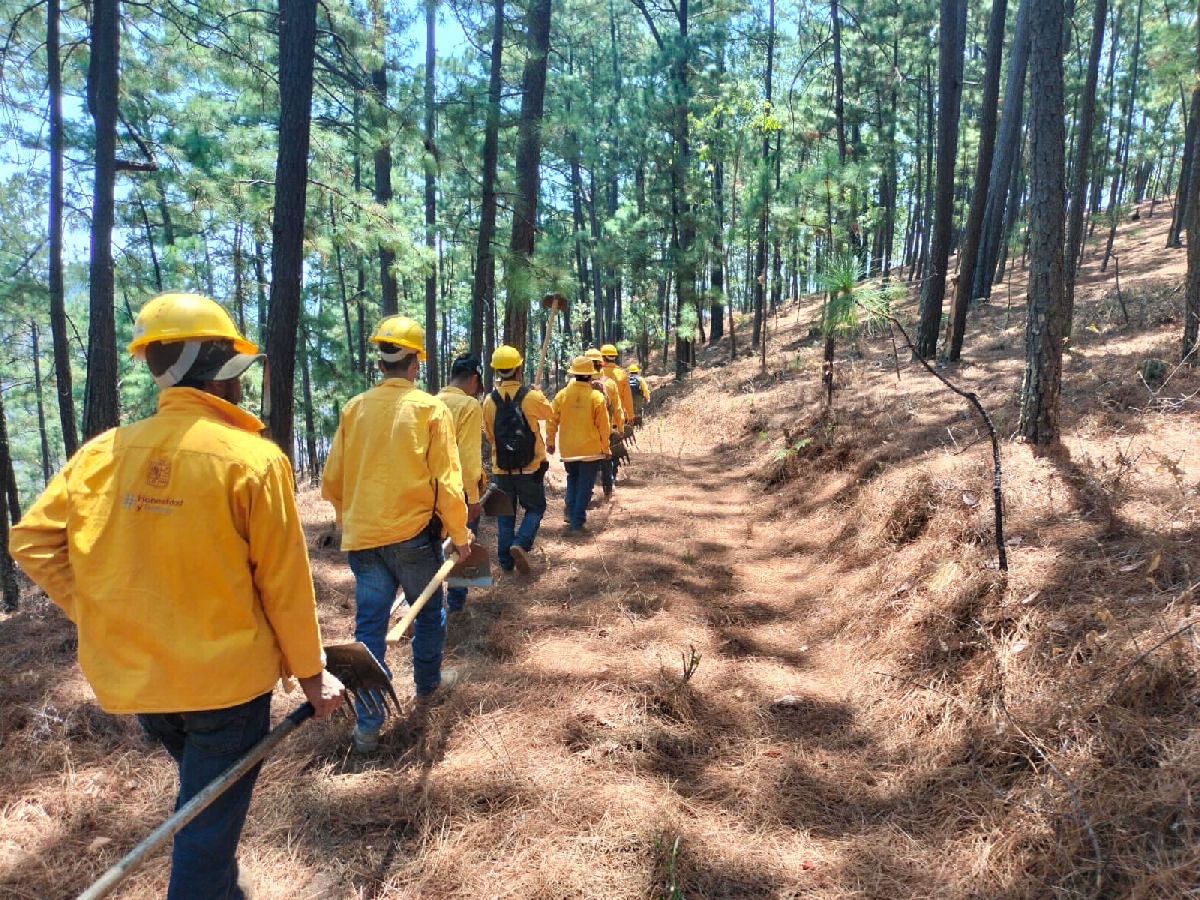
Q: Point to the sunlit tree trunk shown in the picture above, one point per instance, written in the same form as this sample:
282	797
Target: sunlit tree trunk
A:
519	274
950	67
297	36
983	170
1046	315
100	406
58	314
483	288
433	375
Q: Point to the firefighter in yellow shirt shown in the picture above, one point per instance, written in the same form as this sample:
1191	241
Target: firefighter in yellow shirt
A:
621	377
461	397
174	545
616	412
395	482
580	427
640	390
512	417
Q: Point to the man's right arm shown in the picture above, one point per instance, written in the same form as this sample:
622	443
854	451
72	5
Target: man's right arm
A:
39	545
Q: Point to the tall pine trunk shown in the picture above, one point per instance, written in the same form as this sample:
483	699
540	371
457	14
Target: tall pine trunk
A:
433	378
1008	148
1083	151
983	170
100	405
297	36
58	313
528	160
1047	307
950	67
483	288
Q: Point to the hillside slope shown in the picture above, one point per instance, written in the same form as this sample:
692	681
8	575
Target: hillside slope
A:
784	664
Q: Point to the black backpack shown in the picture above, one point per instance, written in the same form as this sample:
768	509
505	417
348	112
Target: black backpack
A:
515	440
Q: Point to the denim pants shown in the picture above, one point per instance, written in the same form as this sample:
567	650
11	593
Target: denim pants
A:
205	744
378	572
530	492
581	481
456	597
606	470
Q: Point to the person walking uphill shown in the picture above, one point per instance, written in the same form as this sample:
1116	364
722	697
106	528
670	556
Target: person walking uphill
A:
174	545
512	414
580	425
621	377
394	479
461	398
640	390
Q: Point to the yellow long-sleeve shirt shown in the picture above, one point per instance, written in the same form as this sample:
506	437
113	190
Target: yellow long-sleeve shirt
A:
580	422
468	431
174	545
392	465
537	410
612	399
621	377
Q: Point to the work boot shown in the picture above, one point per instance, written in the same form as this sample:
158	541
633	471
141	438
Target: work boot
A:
365	742
445	686
520	560
608	491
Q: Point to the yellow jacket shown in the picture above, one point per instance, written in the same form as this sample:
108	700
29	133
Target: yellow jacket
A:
580	421
612	400
621	377
537	410
392	465
174	545
468	431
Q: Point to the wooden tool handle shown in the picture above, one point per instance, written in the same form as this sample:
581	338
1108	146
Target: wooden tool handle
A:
537	374
394	636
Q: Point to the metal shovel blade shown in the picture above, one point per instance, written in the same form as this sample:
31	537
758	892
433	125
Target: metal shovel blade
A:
474	571
364	678
497	503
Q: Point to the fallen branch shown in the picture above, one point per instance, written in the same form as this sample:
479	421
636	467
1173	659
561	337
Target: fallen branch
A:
973	399
1142	656
1080	815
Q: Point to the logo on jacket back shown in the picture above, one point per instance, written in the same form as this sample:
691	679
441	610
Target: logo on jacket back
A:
515	440
158	473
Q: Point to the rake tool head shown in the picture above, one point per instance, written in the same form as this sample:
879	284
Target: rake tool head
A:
364	678
555	301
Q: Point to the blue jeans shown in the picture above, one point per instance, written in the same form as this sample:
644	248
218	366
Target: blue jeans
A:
456	597
378	572
581	481
205	744
530	491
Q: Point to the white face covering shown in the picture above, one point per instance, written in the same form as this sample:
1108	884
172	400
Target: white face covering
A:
178	369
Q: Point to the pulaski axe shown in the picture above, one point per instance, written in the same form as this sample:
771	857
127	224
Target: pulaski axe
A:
365	681
553	303
474	571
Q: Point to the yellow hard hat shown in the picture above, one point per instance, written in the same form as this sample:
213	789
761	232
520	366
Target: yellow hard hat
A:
173	317
402	331
634	368
581	365
506	357
592	353
608	350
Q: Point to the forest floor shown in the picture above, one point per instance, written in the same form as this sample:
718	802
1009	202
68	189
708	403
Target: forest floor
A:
784	663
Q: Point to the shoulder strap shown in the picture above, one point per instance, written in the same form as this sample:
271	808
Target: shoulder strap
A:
497	397
520	394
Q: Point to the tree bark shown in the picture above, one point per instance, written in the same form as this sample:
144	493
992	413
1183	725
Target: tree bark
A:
9	589
1083	151
1190	154
58	313
983	170
519	275
41	405
950	67
483	288
297	36
433	373
100	403
389	293
1191	321
1046	300
1008	147
1119	177
764	214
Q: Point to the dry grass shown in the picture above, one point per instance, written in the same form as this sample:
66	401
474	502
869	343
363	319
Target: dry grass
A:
785	664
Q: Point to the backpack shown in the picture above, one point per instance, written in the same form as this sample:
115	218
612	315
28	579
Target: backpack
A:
515	440
635	383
